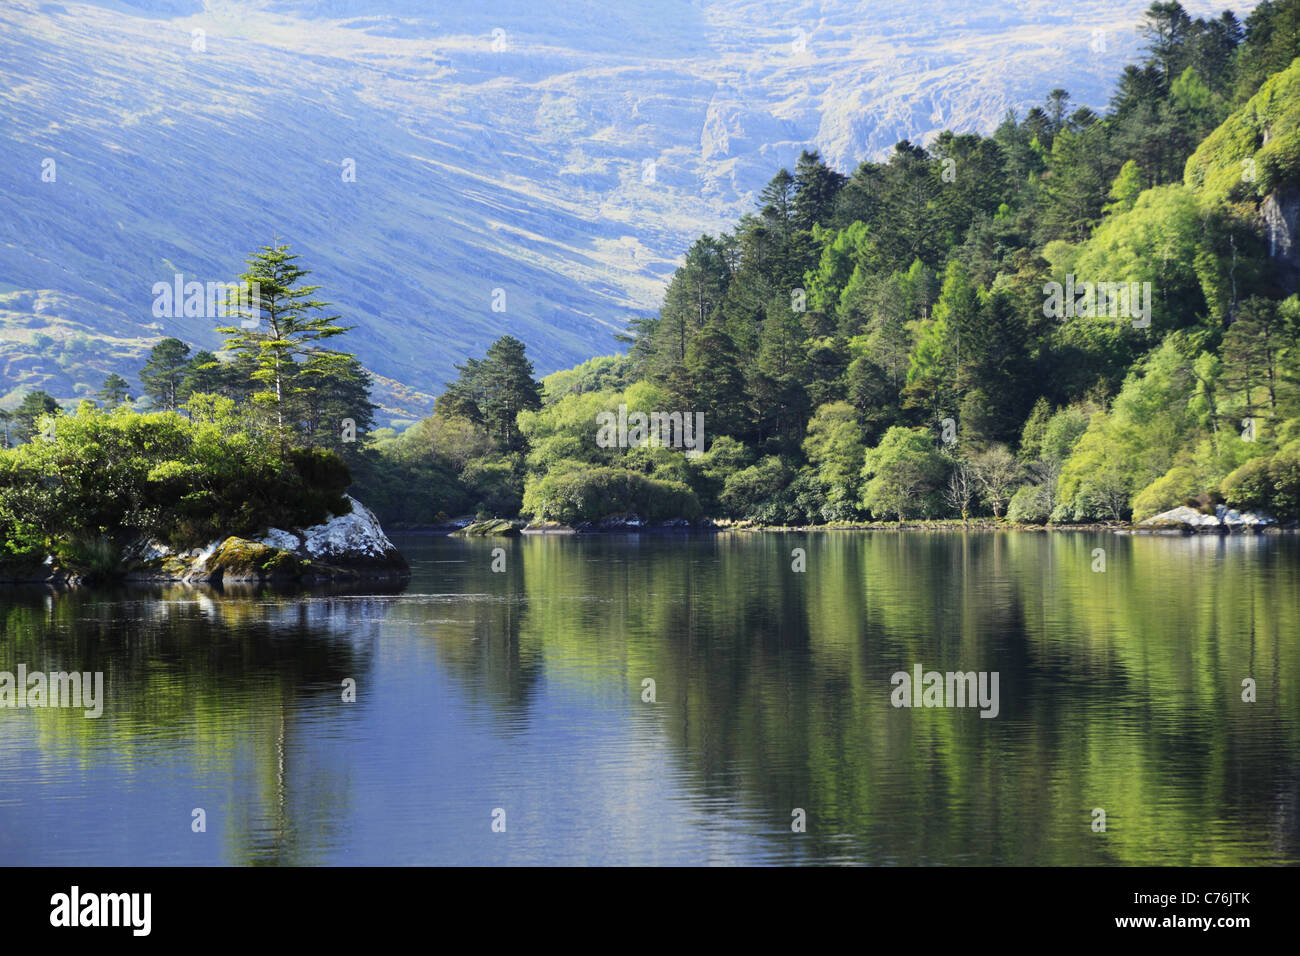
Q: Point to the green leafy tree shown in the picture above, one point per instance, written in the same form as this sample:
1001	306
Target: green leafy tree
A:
903	474
834	448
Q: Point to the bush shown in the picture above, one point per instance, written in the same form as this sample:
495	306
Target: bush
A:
579	494
1178	485
1269	484
1029	505
1285	472
108	478
1248	486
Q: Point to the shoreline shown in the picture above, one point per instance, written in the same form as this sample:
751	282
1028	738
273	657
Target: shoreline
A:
505	527
311	577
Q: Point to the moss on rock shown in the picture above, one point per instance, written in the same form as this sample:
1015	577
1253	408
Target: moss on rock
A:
495	526
239	559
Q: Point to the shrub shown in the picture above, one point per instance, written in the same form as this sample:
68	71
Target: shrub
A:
1248	486
1269	484
1029	505
107	478
1178	485
579	494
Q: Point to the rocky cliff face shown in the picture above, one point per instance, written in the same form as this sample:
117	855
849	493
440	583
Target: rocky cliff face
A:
1281	213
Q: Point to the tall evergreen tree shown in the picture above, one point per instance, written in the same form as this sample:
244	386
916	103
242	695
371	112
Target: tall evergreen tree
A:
116	391
23	419
163	373
204	373
817	187
291	326
509	388
334	393
492	391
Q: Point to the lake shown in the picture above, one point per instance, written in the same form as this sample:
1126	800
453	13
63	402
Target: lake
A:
502	716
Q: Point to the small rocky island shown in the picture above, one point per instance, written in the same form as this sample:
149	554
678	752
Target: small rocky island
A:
344	548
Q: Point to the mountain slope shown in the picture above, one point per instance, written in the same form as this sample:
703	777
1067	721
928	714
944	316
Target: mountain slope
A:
563	156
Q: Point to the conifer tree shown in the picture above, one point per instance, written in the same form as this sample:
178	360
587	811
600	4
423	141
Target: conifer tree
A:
287	326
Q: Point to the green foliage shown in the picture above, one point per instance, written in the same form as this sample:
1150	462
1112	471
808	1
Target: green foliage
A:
576	495
115	391
1125	450
604	373
835	450
494	390
285	344
1268	483
164	373
1273	29
1256	150
1168	491
108	478
25	420
1125	190
750	492
903	475
1031	504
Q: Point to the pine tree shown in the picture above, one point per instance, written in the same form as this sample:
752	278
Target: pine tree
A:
290	326
163	372
1251	354
1167	29
115	392
817	186
509	388
203	373
464	397
335	392
716	382
34	406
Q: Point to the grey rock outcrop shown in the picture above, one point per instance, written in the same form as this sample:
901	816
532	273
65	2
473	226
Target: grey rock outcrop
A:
1224	519
347	547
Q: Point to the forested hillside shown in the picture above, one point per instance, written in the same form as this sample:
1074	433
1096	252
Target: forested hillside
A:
932	335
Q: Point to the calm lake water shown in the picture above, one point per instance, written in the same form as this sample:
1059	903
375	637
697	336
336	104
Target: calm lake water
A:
521	691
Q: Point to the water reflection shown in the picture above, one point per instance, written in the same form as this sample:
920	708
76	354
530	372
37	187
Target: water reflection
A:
477	690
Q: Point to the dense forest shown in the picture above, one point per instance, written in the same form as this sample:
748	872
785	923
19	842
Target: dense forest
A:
882	345
1081	317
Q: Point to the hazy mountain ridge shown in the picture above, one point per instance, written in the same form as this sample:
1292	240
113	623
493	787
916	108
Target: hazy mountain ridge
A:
522	167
